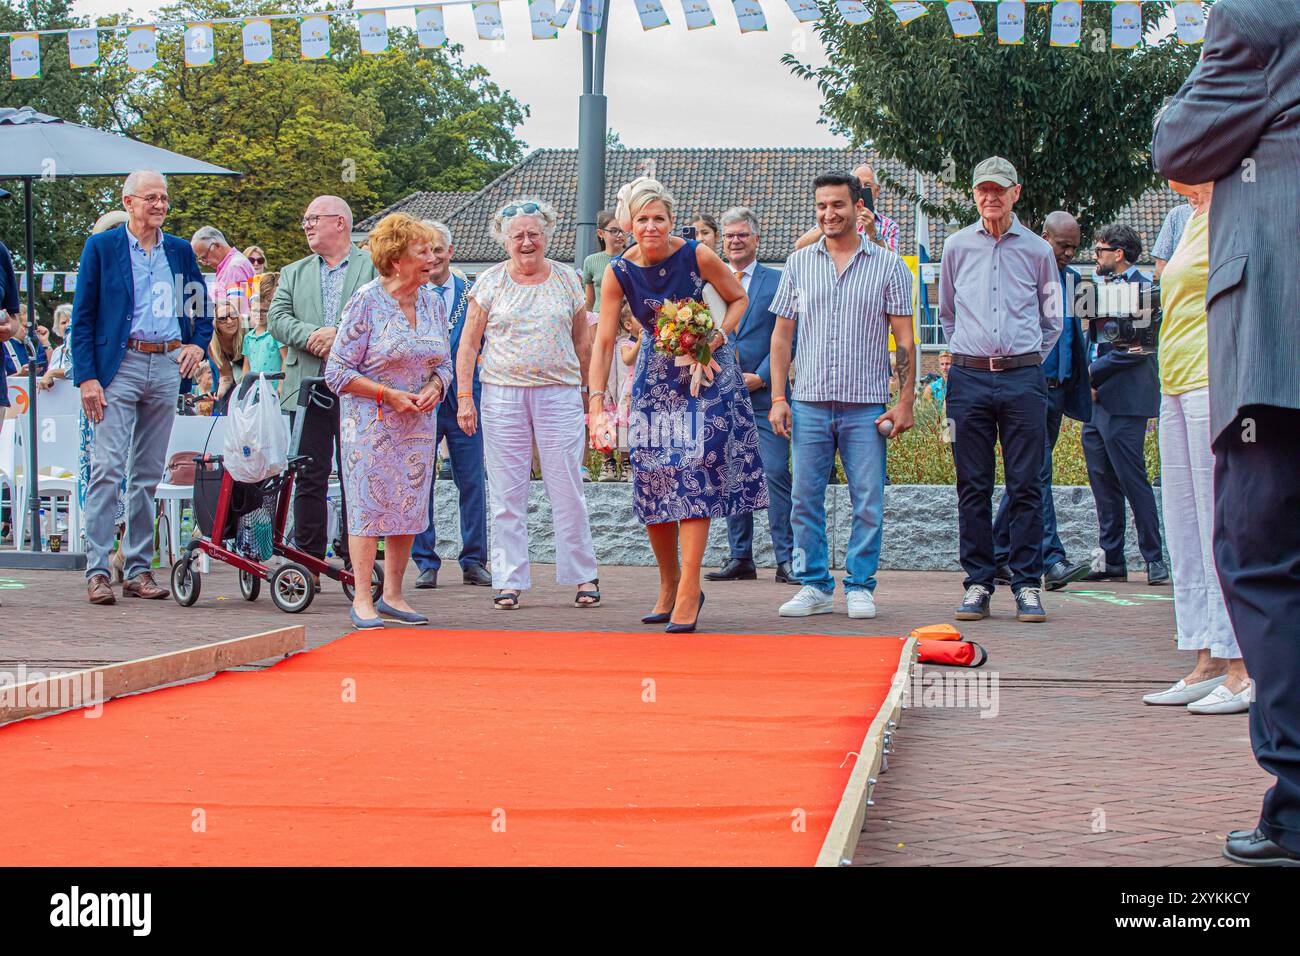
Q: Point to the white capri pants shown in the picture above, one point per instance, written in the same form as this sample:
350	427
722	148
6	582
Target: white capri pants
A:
1187	499
513	418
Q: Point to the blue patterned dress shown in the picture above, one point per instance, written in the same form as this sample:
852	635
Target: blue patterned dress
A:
692	457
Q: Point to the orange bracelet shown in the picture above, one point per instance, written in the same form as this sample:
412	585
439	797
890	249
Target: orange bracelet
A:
778	398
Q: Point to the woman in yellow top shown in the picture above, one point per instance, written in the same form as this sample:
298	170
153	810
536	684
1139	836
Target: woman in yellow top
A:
1218	684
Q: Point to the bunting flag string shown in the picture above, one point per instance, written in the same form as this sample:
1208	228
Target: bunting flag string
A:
549	17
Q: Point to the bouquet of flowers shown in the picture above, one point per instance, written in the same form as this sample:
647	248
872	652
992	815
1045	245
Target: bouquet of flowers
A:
683	329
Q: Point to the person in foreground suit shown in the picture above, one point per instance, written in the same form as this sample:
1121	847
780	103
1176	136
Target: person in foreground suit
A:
1126	393
466	451
304	317
1068	393
753	340
141	322
1236	123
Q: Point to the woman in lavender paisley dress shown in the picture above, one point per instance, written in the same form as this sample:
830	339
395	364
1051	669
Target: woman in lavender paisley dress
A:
390	366
694	458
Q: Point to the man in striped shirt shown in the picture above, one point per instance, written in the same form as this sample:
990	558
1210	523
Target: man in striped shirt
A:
846	294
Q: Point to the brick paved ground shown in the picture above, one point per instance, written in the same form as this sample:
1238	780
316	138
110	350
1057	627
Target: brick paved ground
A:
1071	749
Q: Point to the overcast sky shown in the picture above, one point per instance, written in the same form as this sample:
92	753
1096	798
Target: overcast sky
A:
666	87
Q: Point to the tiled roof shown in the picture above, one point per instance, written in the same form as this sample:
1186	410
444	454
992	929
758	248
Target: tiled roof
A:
774	182
420	205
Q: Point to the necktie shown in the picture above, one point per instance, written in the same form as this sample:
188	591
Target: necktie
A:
740	277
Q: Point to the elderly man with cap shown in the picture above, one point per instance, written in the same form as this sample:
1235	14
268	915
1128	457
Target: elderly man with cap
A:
1000	303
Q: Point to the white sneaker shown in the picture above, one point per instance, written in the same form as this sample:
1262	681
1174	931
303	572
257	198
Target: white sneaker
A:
1223	701
861	604
1183	692
808	601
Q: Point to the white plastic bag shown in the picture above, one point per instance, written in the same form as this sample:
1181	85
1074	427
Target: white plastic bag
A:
257	441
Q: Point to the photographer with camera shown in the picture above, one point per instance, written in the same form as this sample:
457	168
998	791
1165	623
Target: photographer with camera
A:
1125	393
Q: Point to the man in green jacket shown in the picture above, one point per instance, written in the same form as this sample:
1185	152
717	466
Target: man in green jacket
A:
304	316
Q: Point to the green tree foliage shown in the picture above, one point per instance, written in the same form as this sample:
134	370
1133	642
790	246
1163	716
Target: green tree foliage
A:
1076	122
368	128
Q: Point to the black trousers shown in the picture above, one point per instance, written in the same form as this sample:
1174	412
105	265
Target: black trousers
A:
1117	471
319	440
985	408
1257	554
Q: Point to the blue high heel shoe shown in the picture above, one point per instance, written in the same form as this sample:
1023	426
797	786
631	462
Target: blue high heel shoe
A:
406	617
662	617
364	623
686	628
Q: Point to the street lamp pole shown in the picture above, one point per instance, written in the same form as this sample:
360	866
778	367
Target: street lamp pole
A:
591	139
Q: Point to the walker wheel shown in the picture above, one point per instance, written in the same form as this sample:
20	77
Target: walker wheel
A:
250	585
376	584
186	582
292	588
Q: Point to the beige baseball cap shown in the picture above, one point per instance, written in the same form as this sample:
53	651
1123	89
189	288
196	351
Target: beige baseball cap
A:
995	169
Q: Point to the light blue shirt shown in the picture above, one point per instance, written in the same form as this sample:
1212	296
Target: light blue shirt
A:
154	318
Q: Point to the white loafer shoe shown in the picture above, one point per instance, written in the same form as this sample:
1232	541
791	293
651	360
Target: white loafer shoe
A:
1183	692
1223	701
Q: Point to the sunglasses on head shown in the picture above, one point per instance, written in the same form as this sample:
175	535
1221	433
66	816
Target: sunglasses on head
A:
526	209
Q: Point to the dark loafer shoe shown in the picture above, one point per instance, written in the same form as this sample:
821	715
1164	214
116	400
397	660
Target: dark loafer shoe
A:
737	569
1252	848
1113	572
427	579
478	575
1157	573
1062	573
144	586
784	573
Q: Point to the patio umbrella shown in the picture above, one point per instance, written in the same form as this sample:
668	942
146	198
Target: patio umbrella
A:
35	146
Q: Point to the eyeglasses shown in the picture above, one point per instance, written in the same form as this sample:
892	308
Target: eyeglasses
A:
610	231
310	222
257	260
526	209
153	199
738	236
1105	248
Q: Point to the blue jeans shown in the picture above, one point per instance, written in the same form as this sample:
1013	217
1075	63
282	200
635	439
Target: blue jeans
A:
775	452
819	429
466	452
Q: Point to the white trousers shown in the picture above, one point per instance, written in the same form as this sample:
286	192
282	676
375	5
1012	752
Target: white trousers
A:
513	418
1187	498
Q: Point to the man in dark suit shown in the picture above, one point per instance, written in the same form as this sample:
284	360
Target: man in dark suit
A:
1236	123
141	322
753	342
1126	392
1068	393
466	450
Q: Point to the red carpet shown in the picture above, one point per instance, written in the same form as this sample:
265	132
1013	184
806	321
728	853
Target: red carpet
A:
461	748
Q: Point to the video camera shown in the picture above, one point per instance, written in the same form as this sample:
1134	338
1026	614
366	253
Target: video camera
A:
1123	314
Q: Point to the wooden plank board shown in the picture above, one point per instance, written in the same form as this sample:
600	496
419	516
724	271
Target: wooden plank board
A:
846	826
87	687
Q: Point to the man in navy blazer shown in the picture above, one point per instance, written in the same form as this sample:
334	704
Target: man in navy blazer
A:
141	322
466	450
1068	395
753	342
1126	392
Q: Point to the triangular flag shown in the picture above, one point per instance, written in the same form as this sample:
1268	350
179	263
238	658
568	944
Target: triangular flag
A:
1189	20
853	11
651	13
698	14
590	15
564	12
749	15
429	27
141	48
1067	23
542	15
1125	26
199	46
964	19
25	56
257	41
909	10
372	27
314	37
1011	22
805	11
487	18
83	49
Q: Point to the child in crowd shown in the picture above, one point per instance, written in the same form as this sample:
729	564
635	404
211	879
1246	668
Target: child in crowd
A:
626	347
263	352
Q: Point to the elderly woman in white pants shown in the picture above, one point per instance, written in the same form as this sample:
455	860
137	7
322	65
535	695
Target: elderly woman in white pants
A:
533	312
1218	684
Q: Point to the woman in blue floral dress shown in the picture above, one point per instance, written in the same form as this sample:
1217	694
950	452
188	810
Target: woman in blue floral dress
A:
694	457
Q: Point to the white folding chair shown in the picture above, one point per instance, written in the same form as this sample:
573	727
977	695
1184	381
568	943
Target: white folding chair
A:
8	475
58	450
199	434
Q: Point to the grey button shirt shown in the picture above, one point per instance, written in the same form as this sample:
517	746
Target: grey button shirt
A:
999	297
331	288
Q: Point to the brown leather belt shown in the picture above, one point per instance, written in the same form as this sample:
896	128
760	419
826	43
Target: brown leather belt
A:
996	363
153	348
